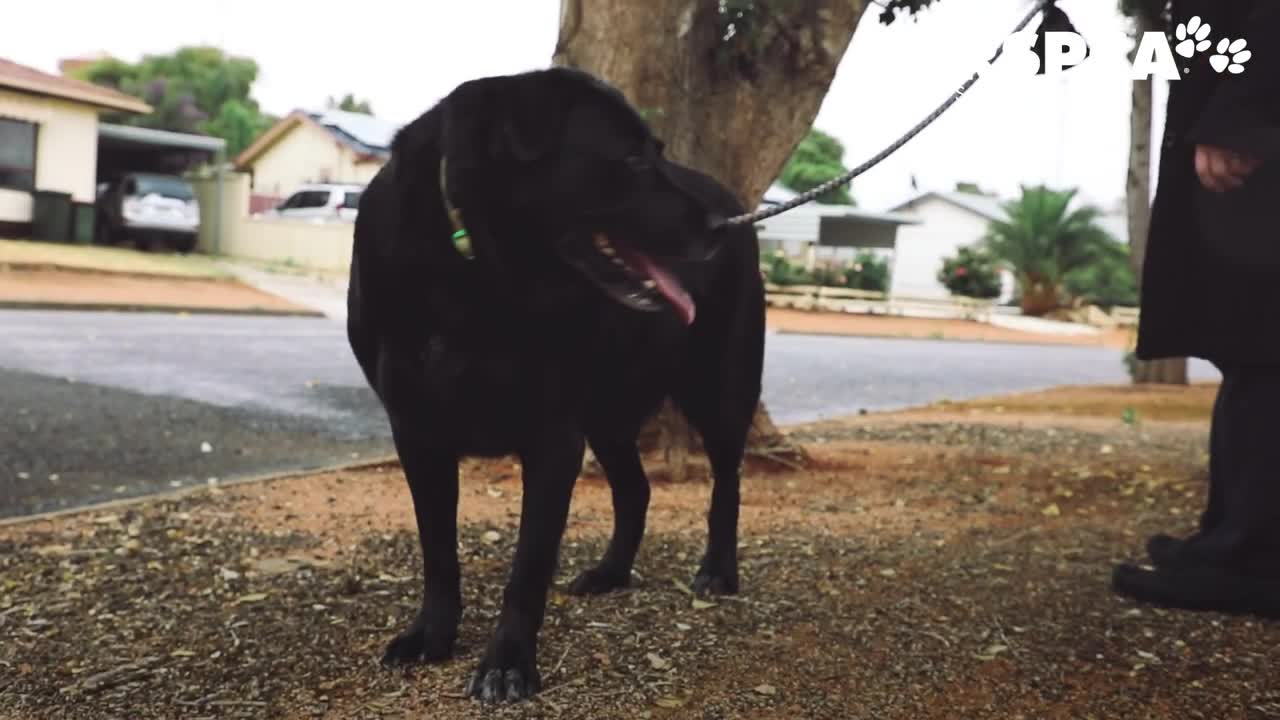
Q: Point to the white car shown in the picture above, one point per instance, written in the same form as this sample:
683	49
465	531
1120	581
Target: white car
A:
321	201
150	210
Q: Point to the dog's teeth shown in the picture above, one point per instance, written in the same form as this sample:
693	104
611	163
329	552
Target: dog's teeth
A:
649	284
618	261
607	251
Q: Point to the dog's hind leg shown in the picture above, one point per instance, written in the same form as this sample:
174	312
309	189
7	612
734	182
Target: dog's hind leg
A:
724	436
719	395
621	462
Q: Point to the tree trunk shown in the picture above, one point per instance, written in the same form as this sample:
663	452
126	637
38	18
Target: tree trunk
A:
733	100
1039	297
1169	371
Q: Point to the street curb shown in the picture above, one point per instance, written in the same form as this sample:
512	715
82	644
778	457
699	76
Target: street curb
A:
11	266
1026	343
195	489
143	308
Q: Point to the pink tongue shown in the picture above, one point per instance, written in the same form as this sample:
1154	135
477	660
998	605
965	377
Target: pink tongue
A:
668	285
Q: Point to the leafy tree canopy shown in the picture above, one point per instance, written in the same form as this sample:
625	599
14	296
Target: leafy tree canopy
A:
817	159
193	90
349	103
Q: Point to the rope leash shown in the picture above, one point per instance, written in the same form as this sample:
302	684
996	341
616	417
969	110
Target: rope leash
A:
834	183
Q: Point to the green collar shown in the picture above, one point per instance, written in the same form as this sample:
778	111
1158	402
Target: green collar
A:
461	238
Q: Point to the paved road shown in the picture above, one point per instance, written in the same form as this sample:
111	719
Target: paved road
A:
118	404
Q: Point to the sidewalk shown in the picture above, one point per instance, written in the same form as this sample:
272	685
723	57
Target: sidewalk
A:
78	277
327	296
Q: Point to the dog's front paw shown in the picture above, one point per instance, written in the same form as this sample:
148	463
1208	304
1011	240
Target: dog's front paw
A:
708	584
716	578
422	642
509	671
598	581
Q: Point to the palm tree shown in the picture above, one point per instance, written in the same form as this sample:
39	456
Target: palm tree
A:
1043	241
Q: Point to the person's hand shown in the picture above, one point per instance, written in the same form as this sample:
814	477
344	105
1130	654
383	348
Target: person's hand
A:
1221	169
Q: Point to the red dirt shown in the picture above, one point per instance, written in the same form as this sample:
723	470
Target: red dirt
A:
941	563
74	288
827	323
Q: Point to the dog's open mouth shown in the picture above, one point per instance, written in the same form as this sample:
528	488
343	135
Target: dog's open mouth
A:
628	276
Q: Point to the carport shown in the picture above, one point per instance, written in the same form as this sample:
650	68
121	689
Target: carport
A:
123	149
808	229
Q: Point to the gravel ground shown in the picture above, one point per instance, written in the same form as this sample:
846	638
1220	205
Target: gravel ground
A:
906	574
69	443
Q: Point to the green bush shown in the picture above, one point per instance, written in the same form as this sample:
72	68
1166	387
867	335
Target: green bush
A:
971	273
1108	281
867	272
780	271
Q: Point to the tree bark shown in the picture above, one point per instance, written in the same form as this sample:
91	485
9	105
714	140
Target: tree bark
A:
731	102
1168	371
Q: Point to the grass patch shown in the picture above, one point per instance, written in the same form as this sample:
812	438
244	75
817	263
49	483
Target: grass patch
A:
91	258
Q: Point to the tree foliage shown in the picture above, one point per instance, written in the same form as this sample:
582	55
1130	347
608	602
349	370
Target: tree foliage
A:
1108	281
973	273
192	90
349	103
818	158
1045	241
1157	11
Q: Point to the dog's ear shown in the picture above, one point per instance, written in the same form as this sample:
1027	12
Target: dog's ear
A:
467	126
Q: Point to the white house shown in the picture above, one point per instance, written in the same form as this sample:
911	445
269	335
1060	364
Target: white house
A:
49	140
330	146
947	222
817	232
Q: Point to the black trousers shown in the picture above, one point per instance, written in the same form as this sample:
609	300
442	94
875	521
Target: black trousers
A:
1240	527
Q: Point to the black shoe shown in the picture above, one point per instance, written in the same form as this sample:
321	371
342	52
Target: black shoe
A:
1166	550
1200	587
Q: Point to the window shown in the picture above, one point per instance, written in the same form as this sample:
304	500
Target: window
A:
170	187
17	154
351	200
312	199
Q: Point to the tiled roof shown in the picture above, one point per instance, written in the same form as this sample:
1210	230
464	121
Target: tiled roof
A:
27	79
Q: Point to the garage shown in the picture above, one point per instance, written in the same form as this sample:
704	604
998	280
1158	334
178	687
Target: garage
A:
144	198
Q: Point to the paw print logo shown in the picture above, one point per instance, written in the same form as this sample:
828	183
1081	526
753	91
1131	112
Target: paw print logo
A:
1231	56
1194	36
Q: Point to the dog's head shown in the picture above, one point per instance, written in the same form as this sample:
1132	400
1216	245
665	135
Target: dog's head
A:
564	173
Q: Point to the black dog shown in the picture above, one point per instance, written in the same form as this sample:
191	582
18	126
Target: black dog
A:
529	275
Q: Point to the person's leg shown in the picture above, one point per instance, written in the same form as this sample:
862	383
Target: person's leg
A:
1246	531
1234	566
1164	549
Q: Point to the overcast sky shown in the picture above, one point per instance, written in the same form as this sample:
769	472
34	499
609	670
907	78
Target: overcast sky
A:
403	56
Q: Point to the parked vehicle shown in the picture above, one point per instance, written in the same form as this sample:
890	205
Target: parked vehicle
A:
149	210
323	201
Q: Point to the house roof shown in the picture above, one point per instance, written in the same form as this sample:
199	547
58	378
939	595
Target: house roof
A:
990	208
160	138
366	135
1115	222
28	79
777	194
